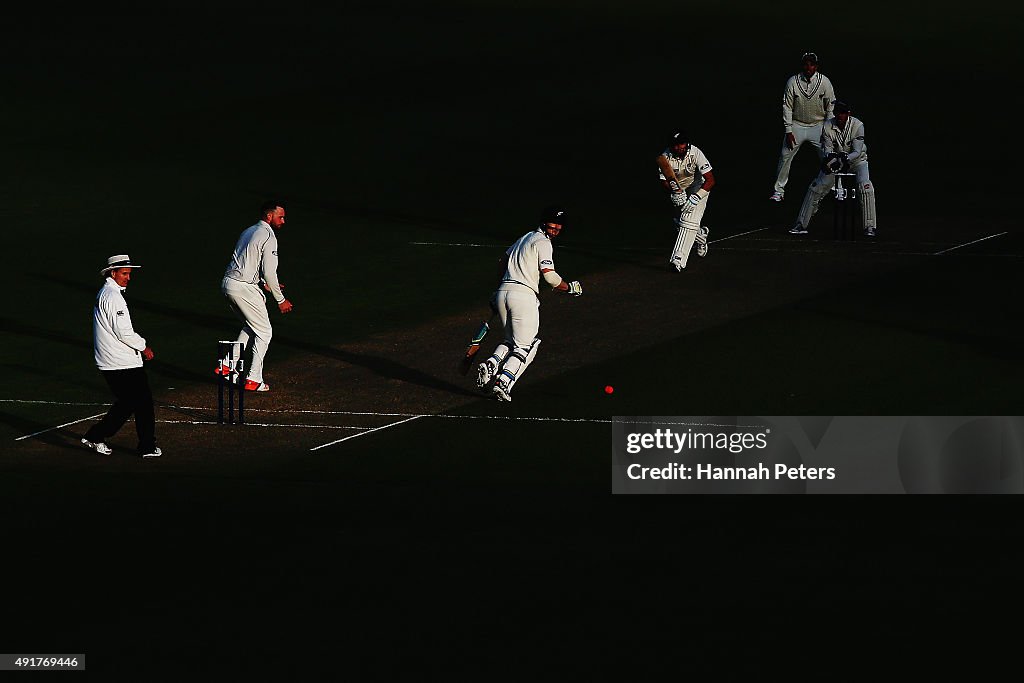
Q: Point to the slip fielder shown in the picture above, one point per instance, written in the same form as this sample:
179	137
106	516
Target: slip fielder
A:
806	104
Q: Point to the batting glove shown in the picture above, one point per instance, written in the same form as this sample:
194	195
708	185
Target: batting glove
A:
678	198
693	199
575	288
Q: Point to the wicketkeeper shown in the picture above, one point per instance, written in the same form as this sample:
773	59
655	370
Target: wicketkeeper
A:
842	139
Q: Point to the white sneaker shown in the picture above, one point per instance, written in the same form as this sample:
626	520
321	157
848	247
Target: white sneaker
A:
869	232
484	372
702	242
798	230
98	446
155	454
501	392
778	196
677	264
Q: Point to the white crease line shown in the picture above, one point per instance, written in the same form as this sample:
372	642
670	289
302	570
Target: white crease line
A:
258	424
393	424
374	414
455	244
748	232
66	424
967	244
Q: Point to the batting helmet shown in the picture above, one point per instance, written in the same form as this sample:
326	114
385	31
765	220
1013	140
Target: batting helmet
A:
553	213
679	137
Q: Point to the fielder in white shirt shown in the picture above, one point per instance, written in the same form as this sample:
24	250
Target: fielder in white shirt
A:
845	151
119	352
517	303
253	270
686	173
806	105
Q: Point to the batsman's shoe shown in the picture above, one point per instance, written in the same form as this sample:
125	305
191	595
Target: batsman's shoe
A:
501	392
484	372
251	385
155	453
869	232
798	230
98	446
677	264
778	196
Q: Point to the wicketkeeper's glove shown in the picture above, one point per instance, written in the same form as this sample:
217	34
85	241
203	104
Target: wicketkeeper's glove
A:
575	288
835	162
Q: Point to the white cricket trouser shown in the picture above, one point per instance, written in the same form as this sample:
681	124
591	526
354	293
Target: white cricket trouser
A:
519	310
823	184
802	133
249	304
688	227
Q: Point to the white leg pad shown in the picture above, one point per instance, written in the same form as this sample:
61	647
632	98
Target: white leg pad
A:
688	232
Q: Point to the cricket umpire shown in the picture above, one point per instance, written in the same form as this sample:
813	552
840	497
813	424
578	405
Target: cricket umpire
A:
119	353
251	271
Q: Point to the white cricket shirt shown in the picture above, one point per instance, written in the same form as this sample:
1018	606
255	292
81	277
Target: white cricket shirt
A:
255	259
689	169
807	102
848	139
116	345
530	253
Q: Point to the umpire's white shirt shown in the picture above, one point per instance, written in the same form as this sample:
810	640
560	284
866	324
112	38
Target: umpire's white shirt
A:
116	344
255	259
531	252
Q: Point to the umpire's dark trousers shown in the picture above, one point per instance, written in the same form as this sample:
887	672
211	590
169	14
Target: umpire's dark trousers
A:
131	396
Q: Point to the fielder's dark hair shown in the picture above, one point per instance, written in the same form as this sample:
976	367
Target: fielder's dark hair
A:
268	206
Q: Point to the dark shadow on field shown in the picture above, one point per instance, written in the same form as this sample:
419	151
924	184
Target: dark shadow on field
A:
18	328
639	258
55	437
366	212
380	366
167	371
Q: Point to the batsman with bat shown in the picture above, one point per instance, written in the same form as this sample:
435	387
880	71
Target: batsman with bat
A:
686	173
517	303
